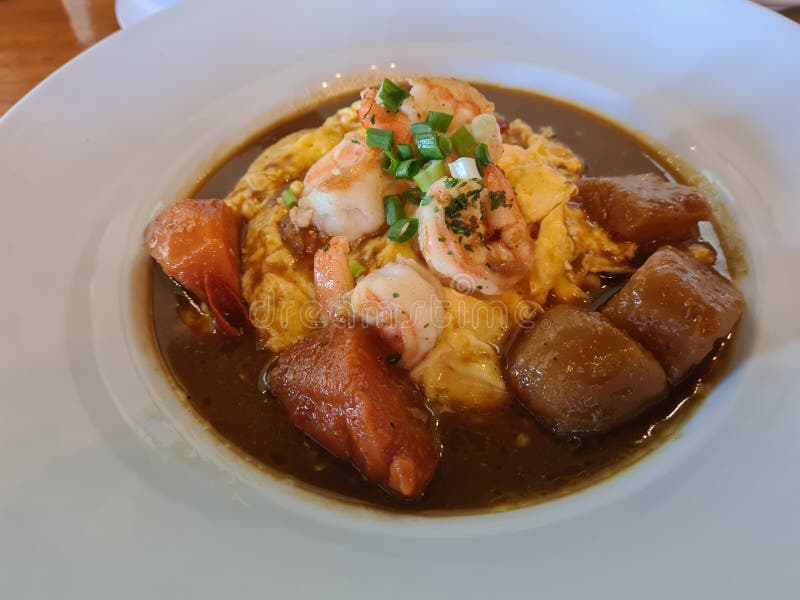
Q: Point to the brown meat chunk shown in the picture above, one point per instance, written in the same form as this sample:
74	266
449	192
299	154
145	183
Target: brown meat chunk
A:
337	387
677	308
643	208
580	374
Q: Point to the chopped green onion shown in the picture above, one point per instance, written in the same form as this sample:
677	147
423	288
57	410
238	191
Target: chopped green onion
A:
408	168
389	161
403	229
413	195
445	145
426	200
356	268
430	173
428	145
439	121
393	207
289	198
464	168
405	152
482	157
418	128
391	95
463	142
380	138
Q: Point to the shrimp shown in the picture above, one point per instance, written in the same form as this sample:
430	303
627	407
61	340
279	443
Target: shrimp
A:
343	191
372	114
332	277
442	94
450	96
475	235
401	300
196	242
402	304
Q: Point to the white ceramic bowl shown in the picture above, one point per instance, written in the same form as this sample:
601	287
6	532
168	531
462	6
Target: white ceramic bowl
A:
109	479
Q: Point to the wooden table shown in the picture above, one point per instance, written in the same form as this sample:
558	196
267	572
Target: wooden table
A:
38	36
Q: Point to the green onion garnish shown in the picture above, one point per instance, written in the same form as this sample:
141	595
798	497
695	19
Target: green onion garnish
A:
403	230
389	161
445	145
289	198
356	268
408	168
439	121
418	128
393	207
405	152
391	95
413	195
463	142
428	145
380	138
463	168
430	173
482	157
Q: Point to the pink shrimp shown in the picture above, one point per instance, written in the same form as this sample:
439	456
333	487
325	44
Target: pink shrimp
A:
474	235
332	277
400	300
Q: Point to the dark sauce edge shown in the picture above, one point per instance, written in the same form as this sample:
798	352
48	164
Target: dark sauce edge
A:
668	427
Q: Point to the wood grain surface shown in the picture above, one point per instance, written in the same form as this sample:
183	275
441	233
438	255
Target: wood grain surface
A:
38	36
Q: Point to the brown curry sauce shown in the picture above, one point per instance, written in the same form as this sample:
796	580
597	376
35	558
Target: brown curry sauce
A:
490	460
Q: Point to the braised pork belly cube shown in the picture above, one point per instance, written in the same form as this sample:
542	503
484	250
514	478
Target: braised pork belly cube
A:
678	308
643	208
579	374
338	388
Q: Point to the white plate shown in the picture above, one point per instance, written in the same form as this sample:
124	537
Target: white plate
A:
110	489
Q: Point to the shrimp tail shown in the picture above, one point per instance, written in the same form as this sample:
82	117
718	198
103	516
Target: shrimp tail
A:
196	242
225	304
332	277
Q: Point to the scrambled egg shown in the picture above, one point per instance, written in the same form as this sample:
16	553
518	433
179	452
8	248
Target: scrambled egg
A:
287	160
568	251
277	290
463	369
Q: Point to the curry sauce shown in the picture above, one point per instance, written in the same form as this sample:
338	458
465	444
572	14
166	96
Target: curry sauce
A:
490	460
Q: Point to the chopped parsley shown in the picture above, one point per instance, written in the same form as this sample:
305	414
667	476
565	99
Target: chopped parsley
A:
395	295
457	222
498	199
